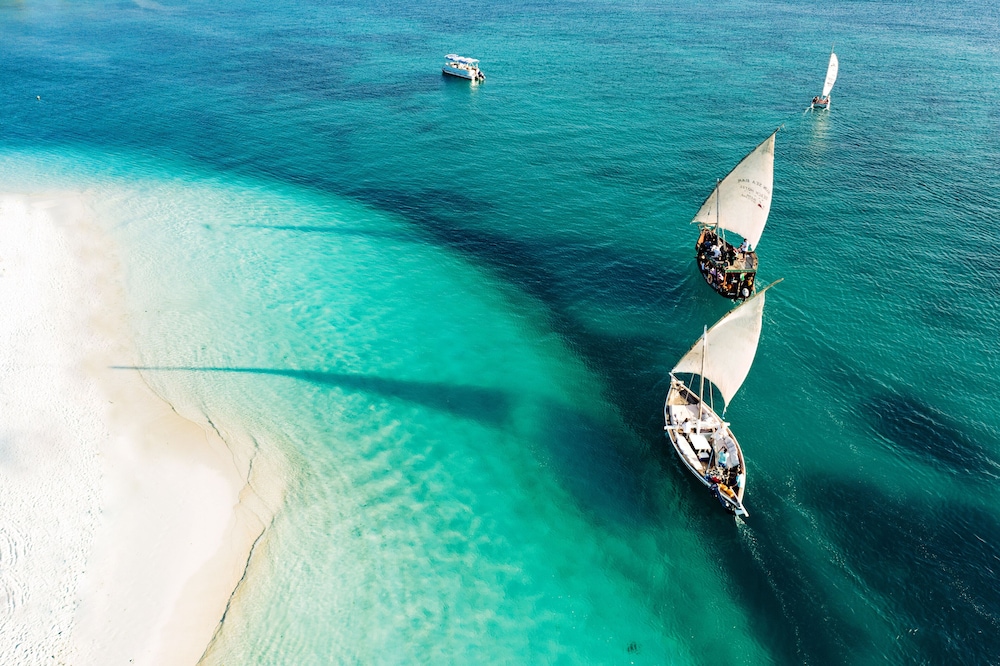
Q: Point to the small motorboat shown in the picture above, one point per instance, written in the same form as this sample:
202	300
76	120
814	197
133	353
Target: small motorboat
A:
463	68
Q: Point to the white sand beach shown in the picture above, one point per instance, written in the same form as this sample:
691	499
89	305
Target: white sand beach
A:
125	526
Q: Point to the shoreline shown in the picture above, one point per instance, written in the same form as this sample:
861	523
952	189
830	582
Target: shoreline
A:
131	525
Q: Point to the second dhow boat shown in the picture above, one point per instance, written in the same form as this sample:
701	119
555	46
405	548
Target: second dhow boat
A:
740	203
700	437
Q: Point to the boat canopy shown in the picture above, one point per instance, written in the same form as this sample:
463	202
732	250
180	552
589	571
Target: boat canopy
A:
461	60
742	200
724	354
831	74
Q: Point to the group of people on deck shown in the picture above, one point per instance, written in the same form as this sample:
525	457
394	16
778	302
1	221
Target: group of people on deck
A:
715	256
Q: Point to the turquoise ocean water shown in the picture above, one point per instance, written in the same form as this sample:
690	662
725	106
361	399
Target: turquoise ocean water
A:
451	310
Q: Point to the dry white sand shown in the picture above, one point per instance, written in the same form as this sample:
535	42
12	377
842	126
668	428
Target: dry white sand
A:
124	527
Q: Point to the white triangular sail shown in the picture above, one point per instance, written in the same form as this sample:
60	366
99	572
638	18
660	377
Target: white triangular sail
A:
831	74
730	347
742	200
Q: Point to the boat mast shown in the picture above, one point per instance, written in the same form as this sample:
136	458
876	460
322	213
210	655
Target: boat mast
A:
701	388
718	195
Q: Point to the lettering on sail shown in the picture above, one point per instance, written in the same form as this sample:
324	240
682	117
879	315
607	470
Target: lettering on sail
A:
754	191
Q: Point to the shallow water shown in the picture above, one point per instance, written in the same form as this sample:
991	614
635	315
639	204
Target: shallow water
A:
451	310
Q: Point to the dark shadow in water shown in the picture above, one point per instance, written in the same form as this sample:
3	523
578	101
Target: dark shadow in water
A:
927	564
791	609
555	273
911	425
917	428
488	406
932	565
781	587
604	479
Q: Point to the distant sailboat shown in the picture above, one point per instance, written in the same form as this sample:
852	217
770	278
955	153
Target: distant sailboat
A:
823	101
701	439
740	203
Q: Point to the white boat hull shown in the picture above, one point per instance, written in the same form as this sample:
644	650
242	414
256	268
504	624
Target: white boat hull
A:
689	427
473	76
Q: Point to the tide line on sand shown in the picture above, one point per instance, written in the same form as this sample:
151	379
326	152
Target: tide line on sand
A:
127	527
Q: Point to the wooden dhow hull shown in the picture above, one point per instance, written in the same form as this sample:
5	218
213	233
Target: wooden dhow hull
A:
699	436
730	272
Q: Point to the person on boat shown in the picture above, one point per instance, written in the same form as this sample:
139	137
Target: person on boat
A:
745	246
708	242
815	100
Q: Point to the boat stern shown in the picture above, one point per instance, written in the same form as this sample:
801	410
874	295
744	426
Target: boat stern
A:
729	500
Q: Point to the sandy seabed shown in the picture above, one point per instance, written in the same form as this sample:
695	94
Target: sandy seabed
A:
125	527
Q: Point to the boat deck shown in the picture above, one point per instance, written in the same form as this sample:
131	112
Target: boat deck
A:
728	270
700	439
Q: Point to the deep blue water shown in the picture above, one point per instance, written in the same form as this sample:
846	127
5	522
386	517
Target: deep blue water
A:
449	311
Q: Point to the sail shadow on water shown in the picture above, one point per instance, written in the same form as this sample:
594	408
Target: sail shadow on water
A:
491	407
625	360
591	463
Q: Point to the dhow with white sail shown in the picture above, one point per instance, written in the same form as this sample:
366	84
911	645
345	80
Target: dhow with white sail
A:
740	203
700	437
823	101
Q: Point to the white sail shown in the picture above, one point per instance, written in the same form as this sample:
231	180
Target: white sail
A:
742	200
831	74
730	347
